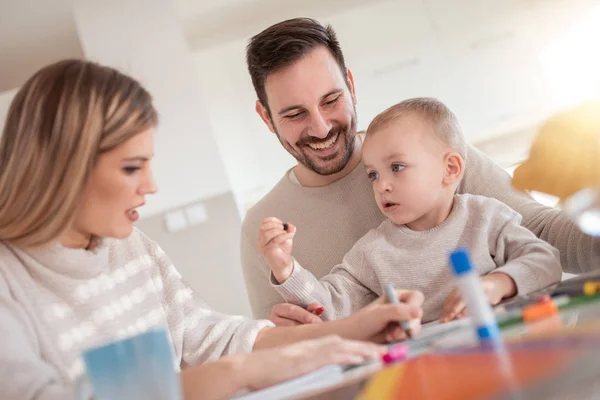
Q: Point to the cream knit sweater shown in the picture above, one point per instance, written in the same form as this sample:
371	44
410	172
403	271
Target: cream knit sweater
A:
56	302
418	260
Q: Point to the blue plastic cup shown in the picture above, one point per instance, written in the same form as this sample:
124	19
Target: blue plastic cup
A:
139	367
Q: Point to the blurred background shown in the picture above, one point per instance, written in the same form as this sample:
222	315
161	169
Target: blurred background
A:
503	66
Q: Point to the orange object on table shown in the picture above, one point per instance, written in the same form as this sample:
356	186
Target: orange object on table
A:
467	376
539	310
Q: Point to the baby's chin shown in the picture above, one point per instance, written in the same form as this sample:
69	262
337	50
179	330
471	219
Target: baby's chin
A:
398	219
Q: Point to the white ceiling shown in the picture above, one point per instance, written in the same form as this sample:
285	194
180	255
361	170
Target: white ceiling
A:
34	33
212	25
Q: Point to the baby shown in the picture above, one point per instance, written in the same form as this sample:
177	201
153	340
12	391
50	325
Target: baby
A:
414	153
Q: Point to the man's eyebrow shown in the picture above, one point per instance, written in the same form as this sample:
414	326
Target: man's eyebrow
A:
334	91
290	108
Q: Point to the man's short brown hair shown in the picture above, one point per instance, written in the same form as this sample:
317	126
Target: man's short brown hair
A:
444	121
283	44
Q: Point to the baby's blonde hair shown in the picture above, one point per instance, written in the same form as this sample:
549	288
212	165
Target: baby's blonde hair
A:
444	121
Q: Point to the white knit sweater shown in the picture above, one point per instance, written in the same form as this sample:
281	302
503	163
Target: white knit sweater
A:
56	302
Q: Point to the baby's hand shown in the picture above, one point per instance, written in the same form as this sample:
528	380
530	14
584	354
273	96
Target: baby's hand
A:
275	239
496	286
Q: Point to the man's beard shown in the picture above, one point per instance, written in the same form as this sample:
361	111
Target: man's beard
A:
330	164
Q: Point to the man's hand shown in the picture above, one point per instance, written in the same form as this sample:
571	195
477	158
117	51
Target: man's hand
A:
286	314
496	286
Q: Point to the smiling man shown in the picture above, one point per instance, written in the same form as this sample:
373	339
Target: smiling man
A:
306	97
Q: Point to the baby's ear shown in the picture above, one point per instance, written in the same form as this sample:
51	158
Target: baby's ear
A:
454	168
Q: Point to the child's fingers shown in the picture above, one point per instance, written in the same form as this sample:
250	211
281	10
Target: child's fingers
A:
271	219
453	306
267	237
271	225
449	305
457	309
281	239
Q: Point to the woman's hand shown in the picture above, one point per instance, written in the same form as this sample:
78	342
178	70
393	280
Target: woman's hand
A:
378	321
268	367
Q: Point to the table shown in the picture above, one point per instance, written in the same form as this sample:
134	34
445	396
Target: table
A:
545	357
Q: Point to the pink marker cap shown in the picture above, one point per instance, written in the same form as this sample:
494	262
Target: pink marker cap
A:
398	353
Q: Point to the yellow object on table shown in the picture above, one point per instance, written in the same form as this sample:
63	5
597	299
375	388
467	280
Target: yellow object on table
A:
565	155
591	288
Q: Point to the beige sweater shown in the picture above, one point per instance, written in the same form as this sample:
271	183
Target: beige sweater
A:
490	230
56	302
333	218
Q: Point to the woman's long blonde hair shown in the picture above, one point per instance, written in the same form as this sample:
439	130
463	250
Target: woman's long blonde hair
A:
64	116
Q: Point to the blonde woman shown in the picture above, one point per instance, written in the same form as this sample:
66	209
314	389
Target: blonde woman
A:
75	160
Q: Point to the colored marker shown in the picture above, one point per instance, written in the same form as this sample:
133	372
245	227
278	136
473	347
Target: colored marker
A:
541	309
397	353
477	303
318	311
390	294
578	289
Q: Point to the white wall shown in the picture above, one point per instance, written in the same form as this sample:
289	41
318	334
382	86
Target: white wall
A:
151	47
483	61
252	155
144	39
34	33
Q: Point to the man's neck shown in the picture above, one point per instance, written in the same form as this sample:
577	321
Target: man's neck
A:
309	178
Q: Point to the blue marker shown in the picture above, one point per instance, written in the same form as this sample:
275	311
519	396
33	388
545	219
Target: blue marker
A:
477	303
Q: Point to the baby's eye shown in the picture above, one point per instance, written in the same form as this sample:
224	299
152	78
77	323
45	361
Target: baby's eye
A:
373	175
397	167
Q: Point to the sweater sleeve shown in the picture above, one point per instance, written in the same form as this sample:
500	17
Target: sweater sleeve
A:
532	263
256	275
342	292
577	250
205	334
24	375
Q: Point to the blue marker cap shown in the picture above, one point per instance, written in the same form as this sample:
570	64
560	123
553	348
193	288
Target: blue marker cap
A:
460	261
